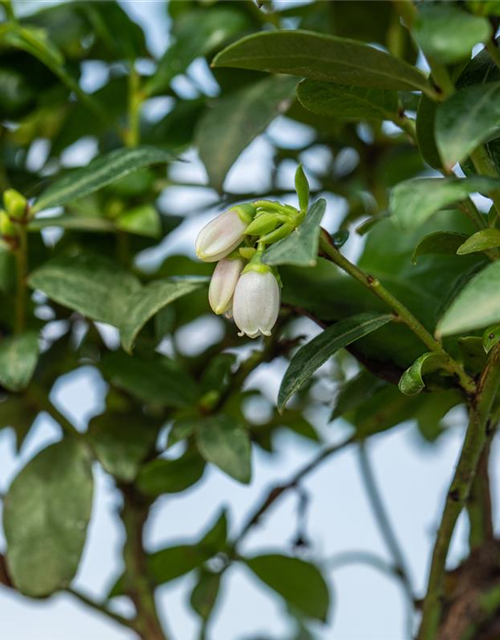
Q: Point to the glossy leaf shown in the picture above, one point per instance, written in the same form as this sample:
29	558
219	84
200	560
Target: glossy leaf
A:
224	441
94	286
121	441
146	302
235	120
491	337
312	355
441	243
347	102
18	358
301	246
477	305
448	34
480	241
412	380
414	201
468	118
100	172
170	476
300	583
46	513
321	57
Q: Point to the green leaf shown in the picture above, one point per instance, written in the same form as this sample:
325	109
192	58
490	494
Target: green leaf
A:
121	441
412	380
170	476
235	120
302	188
476	306
425	130
412	202
205	592
197	34
347	103
18	358
480	241
315	353
468	118
301	246
447	34
17	413
46	513
472	354
95	286
176	561
224	441
353	392
100	172
491	337
321	57
300	583
159	380
441	242
144	304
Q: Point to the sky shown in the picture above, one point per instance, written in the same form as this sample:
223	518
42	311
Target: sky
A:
411	475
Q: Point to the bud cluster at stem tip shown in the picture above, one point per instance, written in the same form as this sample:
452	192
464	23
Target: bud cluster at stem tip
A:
242	286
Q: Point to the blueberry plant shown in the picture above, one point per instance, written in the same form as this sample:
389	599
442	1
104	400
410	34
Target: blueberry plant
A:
400	101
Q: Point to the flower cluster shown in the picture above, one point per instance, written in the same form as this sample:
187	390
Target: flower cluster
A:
242	286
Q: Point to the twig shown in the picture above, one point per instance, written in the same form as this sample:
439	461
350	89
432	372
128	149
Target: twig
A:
276	492
369	558
459	491
101	607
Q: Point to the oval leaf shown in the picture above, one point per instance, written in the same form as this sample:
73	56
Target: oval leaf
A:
170	476
144	304
46	513
100	172
442	243
300	583
480	241
413	202
321	57
224	441
18	358
477	305
94	286
312	355
447	34
468	118
347	103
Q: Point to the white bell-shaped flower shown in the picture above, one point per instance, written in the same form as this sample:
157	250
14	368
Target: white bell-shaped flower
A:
256	302
221	235
223	284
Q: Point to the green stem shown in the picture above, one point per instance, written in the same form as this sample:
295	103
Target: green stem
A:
135	99
22	273
459	490
407	11
401	312
9	10
138	582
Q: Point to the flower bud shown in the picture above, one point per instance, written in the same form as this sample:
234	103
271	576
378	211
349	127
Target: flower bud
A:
223	284
15	204
256	302
222	235
7	228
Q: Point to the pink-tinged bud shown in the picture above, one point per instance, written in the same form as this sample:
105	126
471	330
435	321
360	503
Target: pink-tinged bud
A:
221	236
223	283
256	303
